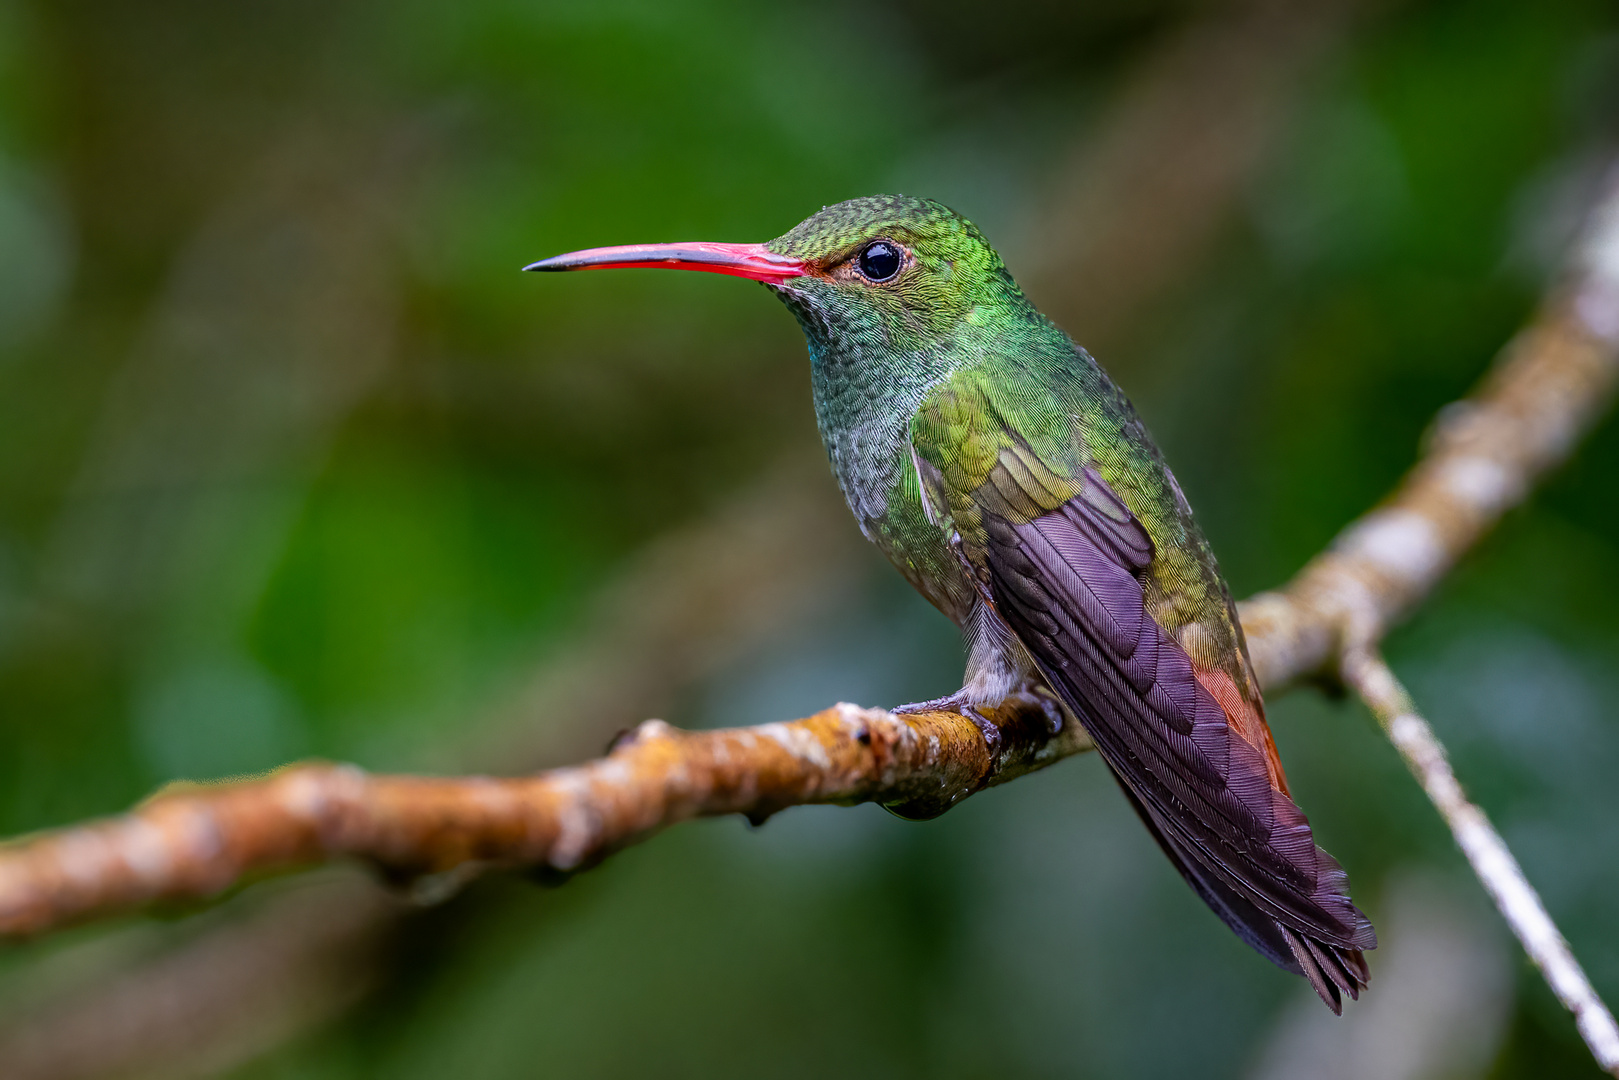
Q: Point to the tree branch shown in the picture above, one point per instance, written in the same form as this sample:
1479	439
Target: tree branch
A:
193	841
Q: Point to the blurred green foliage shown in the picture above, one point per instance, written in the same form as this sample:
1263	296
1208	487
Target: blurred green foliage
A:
292	461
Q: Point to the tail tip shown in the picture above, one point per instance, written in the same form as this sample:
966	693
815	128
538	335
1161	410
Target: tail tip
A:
1332	970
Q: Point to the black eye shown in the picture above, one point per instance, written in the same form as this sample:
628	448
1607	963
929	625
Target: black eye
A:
880	260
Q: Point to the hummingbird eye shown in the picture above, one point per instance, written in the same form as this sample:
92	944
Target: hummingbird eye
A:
880	260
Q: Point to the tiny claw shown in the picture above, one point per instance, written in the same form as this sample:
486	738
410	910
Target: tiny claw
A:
1033	699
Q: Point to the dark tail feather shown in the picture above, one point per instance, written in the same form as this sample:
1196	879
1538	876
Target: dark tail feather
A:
1355	961
1310	963
1336	965
1329	968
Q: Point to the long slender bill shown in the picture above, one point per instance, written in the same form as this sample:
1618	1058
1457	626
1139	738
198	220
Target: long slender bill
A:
740	260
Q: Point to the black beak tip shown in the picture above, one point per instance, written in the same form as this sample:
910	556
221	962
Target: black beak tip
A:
541	265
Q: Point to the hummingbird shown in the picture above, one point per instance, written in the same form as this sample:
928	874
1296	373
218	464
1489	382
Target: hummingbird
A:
1010	481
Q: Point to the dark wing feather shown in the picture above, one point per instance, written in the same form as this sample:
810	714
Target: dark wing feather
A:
1068	583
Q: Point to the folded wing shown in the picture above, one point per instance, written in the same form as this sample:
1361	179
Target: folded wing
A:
1065	563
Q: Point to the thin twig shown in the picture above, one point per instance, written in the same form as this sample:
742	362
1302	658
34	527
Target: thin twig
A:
1366	671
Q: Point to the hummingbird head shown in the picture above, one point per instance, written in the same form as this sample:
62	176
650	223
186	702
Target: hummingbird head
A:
907	269
885	274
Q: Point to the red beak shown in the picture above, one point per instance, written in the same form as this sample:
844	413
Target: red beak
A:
740	260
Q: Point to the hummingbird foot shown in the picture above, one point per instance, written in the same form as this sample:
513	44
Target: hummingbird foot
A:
1047	705
961	704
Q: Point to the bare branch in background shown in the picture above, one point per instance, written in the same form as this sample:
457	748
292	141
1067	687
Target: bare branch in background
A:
1488	854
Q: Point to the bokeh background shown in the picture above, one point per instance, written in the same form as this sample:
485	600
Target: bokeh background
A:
294	462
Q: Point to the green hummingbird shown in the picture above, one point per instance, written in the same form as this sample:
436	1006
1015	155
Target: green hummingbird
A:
1001	470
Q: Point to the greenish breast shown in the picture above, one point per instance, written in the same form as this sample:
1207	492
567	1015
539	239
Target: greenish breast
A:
866	429
866	392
